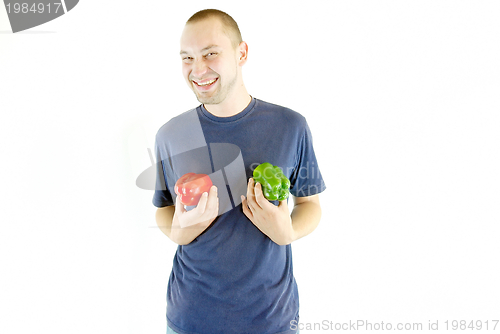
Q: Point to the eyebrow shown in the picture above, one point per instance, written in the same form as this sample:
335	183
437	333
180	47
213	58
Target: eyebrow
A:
202	50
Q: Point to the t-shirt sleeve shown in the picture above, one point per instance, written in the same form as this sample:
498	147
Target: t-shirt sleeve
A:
162	196
306	179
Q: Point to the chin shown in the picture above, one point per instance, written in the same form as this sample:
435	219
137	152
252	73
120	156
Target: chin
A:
208	99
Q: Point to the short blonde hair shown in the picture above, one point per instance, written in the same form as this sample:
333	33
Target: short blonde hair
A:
228	23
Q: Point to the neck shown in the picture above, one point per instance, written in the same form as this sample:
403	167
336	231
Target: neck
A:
232	105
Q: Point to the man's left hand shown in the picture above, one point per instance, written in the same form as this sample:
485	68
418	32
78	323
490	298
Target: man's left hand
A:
274	221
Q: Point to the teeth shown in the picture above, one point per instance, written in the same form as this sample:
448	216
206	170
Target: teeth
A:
206	83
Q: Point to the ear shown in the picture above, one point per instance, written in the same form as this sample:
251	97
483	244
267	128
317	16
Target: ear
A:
242	52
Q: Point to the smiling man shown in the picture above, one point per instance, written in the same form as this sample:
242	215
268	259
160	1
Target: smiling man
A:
232	272
216	80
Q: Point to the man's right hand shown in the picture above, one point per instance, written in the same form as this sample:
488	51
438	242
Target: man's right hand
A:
187	225
203	214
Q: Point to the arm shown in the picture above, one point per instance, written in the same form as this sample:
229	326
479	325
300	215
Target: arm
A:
183	226
306	215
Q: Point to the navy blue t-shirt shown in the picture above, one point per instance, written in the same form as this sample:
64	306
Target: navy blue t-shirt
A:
232	278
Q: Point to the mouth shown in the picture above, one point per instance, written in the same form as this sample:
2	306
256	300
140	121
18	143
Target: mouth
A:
205	84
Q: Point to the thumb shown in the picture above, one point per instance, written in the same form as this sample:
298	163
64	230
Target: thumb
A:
283	205
179	206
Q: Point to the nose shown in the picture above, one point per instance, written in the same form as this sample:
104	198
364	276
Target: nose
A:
199	69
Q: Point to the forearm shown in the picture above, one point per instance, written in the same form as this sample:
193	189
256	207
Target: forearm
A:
171	228
305	218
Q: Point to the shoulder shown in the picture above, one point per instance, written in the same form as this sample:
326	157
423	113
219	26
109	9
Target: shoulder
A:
290	116
179	122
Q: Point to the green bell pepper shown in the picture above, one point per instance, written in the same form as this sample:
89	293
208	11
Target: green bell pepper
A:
275	185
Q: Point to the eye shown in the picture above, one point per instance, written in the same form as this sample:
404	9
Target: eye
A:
210	54
187	59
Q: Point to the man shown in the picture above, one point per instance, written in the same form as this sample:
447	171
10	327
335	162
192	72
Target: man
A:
232	272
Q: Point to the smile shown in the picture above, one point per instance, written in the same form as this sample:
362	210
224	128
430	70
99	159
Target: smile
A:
205	83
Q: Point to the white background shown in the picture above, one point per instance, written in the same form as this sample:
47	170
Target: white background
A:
402	98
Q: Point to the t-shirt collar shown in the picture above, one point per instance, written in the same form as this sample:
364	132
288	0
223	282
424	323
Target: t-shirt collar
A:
233	118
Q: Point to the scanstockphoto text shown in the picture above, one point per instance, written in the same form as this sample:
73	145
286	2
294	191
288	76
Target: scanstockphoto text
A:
430	325
309	171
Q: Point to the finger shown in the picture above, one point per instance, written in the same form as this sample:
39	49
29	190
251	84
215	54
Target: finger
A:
202	204
179	206
212	208
259	196
251	195
216	209
255	201
283	206
250	186
246	210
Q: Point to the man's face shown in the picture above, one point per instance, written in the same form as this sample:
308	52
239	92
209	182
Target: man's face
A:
209	62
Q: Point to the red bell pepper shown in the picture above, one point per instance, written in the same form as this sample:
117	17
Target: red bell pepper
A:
191	186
